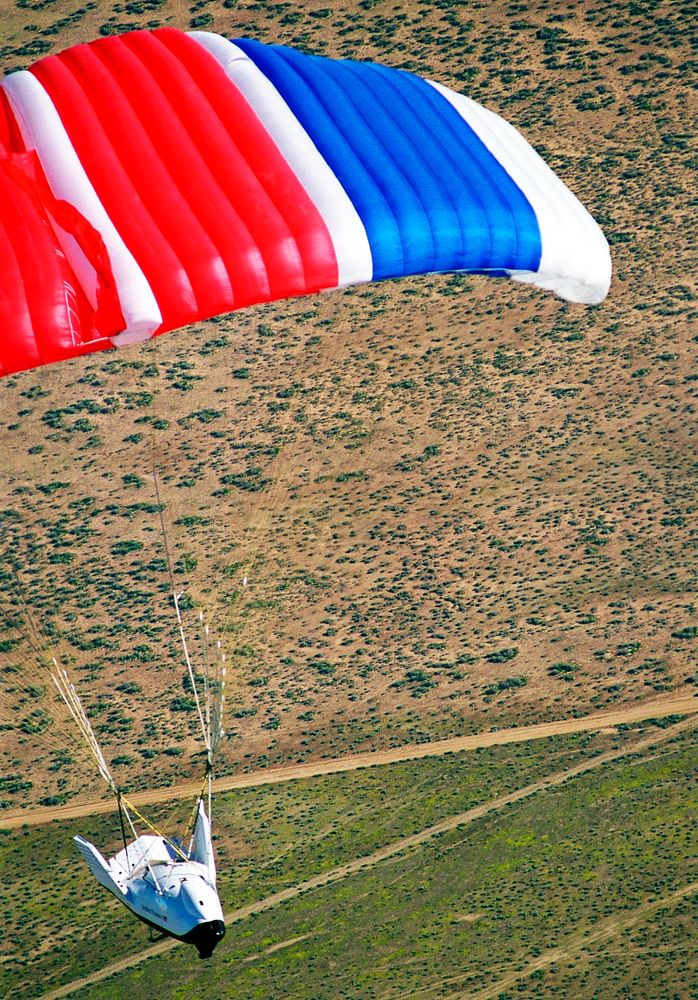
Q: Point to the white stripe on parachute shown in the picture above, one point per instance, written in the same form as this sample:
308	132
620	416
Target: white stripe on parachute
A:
351	246
43	130
575	260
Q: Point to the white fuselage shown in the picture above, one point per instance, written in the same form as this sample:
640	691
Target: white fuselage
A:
172	890
175	897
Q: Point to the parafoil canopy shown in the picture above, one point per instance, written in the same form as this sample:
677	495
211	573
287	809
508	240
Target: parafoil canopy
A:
153	179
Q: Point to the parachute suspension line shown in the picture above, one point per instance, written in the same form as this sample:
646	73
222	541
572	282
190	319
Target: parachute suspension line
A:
44	662
209	779
34	668
191	823
190	671
207	696
38	640
262	518
123	828
70	697
143	852
182	635
130	808
203	630
278	470
214	688
214	685
219	706
210	714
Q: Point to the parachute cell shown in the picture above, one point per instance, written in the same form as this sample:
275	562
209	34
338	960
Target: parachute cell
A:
178	176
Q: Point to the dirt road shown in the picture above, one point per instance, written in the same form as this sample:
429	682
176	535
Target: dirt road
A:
660	708
384	853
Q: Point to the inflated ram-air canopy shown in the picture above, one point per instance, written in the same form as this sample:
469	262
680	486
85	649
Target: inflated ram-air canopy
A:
154	179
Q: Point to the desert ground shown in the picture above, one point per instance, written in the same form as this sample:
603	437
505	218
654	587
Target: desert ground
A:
459	505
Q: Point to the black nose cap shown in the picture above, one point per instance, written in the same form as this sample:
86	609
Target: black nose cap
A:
206	936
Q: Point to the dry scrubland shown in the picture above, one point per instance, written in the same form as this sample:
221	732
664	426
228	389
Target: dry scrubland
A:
459	502
560	866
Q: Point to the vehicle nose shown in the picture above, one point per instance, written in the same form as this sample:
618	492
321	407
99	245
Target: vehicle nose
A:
206	936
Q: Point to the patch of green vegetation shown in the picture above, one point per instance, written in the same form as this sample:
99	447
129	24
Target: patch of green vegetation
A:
532	874
269	838
502	655
565	671
506	684
652	958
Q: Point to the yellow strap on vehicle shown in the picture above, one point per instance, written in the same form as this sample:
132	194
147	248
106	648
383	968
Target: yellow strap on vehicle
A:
159	833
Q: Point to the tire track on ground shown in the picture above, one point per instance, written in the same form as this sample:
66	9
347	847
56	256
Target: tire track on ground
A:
353	762
572	945
382	854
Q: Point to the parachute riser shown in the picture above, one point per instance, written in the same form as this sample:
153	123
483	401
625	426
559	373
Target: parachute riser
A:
70	696
123	827
190	671
175	597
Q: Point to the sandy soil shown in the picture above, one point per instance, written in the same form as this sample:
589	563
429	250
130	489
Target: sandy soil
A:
353	762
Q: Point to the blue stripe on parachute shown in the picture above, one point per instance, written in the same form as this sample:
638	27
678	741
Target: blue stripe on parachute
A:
430	194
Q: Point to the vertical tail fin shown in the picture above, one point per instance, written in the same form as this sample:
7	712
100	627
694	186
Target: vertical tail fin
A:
201	846
99	867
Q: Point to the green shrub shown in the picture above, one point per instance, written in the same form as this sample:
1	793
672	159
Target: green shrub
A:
505	685
502	655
